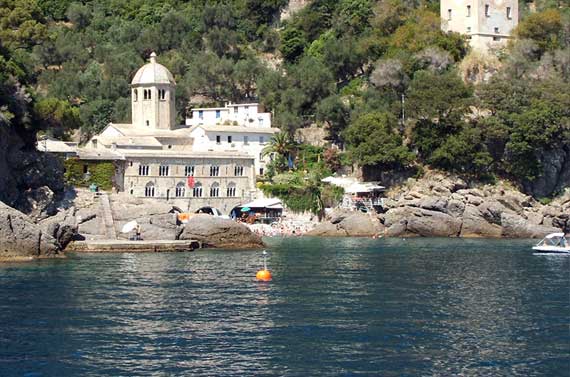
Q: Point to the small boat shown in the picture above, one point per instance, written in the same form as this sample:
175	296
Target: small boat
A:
553	243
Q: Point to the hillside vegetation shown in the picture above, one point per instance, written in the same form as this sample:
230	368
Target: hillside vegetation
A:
343	64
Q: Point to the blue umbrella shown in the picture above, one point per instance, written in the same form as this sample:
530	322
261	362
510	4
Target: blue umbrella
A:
245	209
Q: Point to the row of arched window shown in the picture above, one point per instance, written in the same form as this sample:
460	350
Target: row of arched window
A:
196	192
147	94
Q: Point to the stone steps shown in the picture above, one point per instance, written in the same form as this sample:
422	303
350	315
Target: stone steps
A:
107	217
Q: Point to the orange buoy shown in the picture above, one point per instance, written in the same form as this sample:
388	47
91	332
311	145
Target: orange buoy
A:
263	275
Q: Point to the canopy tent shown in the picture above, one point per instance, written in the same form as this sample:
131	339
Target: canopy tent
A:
272	203
352	185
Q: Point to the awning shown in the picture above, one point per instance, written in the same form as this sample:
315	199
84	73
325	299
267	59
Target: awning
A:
264	203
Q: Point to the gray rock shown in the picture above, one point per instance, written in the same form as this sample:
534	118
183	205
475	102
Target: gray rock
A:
515	226
327	229
433	224
220	233
62	227
455	208
21	238
475	225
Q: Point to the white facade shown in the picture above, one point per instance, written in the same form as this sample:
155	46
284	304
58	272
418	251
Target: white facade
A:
235	127
155	159
487	23
245	115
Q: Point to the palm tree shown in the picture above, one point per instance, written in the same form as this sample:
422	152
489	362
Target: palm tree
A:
282	145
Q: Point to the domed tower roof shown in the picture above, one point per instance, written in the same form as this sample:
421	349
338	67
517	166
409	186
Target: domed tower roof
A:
153	73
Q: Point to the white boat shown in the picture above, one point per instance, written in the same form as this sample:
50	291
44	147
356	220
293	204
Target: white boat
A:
553	243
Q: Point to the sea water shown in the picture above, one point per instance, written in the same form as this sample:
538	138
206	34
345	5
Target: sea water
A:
335	307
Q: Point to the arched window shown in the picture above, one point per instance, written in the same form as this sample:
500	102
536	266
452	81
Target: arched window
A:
197	191
231	190
145	94
180	189
135	95
215	190
149	189
161	94
149	94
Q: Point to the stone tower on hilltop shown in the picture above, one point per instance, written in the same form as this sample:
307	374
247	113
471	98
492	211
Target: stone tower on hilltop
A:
487	23
152	97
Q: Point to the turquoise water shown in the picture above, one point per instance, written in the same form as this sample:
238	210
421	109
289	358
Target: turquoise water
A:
338	307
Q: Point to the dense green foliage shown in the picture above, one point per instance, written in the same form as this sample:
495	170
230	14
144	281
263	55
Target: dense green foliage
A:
380	75
100	173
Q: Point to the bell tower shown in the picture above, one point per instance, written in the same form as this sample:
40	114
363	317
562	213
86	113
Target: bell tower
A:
152	97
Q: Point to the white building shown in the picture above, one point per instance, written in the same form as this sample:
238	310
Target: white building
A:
233	128
154	158
487	23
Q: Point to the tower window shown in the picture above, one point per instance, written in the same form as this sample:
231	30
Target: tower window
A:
238	171
486	10
143	169
180	190
469	11
189	171
148	123
135	95
163	170
215	190
449	14
161	94
197	190
149	189
509	14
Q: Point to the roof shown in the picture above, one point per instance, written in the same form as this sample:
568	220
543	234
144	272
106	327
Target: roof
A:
153	73
352	185
555	235
130	130
98	154
254	130
138	141
264	203
179	154
56	146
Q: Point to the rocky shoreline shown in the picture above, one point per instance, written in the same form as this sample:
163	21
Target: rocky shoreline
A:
440	205
436	205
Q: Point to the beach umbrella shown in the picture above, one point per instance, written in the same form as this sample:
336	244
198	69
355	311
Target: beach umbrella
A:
245	209
129	227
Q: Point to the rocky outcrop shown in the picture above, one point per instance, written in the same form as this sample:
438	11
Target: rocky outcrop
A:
20	238
555	173
29	179
219	233
348	224
63	227
444	206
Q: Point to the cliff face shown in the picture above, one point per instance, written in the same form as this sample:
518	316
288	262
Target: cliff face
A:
29	180
556	173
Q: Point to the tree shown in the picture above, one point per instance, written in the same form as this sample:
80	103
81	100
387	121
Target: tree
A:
58	117
545	28
443	98
336	113
293	43
372	140
280	144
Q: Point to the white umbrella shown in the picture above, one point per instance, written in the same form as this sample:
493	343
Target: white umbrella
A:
129	227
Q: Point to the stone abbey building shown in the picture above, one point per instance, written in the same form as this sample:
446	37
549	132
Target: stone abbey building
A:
202	163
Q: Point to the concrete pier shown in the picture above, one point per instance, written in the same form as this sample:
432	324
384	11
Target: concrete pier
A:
126	246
